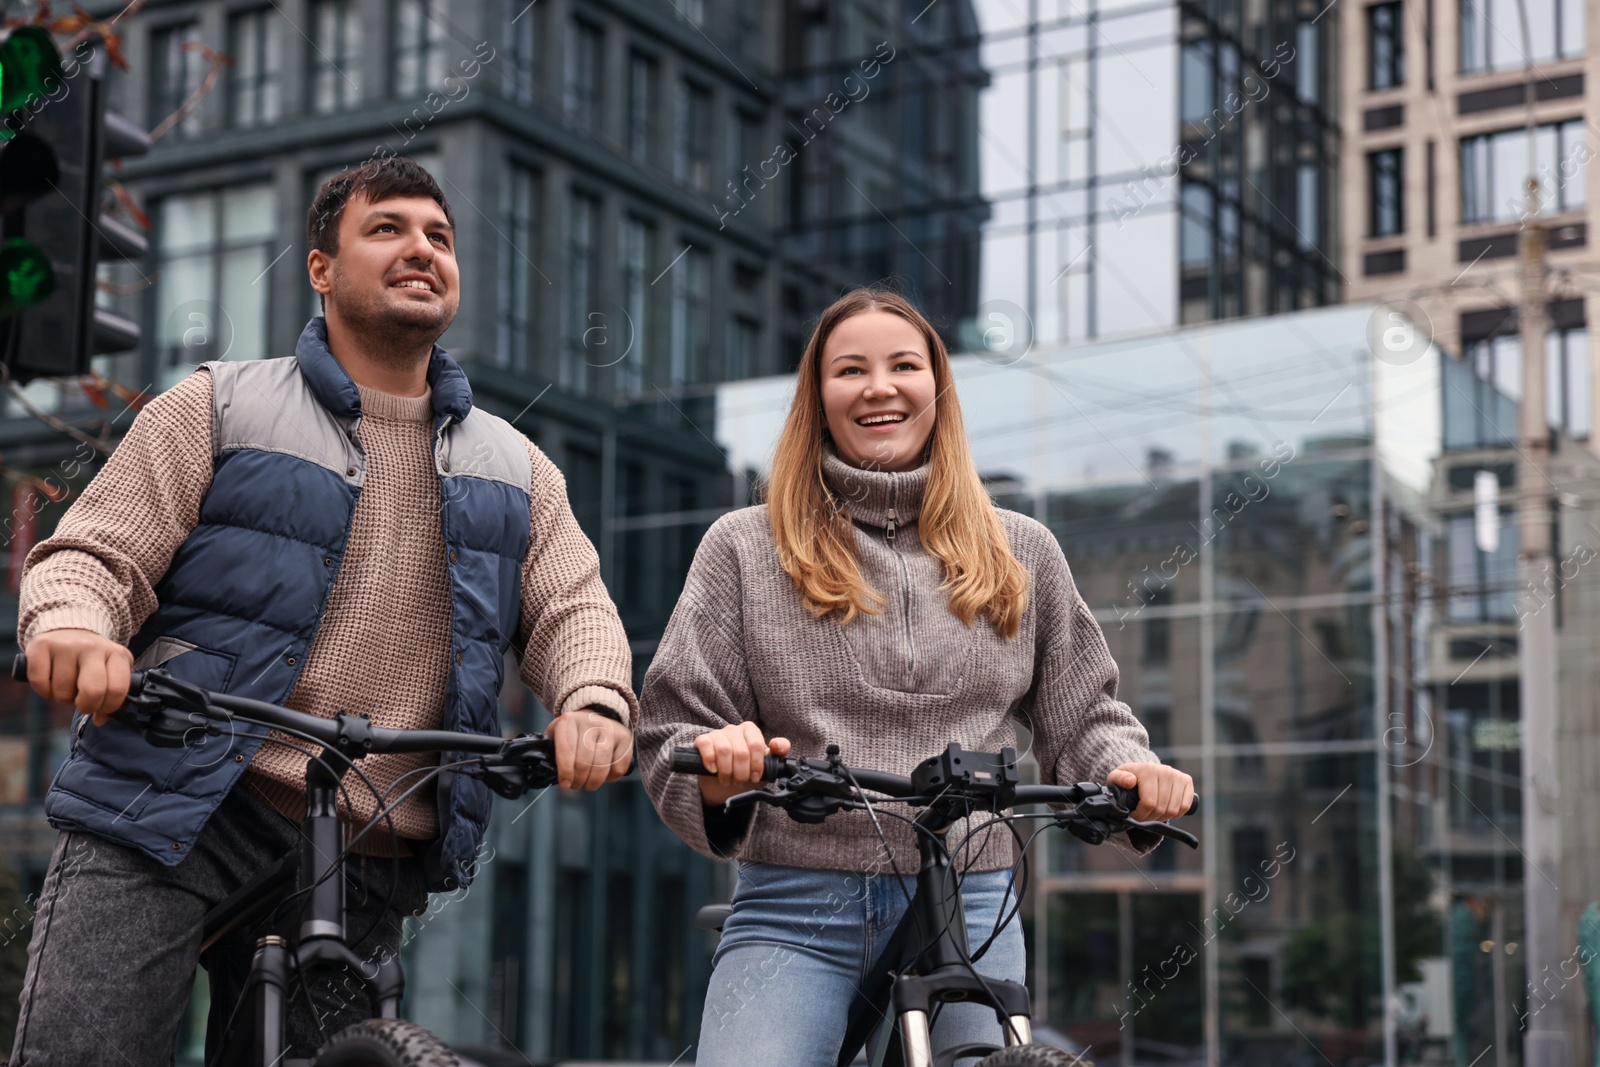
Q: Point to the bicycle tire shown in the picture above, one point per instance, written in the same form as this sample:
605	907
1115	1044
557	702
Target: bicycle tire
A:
1034	1056
384	1043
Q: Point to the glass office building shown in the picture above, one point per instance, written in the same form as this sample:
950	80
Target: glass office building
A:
1228	498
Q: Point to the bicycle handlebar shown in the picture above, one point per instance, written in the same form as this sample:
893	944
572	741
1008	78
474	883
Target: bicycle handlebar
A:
171	707
687	760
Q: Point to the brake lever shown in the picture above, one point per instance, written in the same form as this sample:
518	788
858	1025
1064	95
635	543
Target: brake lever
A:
1163	829
520	767
753	796
803	807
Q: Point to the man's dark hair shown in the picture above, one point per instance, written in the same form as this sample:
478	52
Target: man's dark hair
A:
376	179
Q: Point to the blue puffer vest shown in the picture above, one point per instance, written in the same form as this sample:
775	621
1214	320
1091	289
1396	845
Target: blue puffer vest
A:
244	595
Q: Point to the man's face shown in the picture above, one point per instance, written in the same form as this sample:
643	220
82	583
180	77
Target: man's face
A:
396	267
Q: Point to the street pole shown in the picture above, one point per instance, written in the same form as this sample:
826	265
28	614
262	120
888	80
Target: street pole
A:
1545	1040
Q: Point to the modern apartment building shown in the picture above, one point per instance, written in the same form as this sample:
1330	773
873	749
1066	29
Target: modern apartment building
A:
1438	102
1448	109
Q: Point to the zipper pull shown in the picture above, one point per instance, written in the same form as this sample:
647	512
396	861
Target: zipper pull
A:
888	531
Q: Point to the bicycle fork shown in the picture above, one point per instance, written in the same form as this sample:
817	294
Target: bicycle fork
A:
916	1037
943	971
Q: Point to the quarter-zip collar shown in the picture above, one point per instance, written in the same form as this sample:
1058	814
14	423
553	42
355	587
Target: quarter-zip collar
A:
875	497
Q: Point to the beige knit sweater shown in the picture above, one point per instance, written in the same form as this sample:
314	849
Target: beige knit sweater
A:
890	689
382	647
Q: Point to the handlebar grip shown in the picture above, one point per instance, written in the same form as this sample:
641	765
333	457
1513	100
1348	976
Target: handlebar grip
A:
1128	799
686	760
19	673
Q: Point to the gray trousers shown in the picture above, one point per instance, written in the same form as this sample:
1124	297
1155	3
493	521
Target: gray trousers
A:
116	938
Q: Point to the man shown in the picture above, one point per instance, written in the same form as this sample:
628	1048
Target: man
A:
336	530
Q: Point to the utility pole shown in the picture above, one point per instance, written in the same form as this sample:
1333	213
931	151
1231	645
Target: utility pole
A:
1545	1042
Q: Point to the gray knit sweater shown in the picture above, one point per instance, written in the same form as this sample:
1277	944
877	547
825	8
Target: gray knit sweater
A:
890	689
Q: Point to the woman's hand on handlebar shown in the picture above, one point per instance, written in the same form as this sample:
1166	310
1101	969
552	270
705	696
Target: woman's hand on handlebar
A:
734	755
1164	792
80	667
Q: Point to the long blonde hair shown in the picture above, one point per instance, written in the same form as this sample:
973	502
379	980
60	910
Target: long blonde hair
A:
958	525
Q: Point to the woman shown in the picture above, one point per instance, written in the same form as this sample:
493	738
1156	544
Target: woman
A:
880	602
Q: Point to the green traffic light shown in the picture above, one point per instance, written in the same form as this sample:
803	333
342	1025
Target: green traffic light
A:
30	64
26	277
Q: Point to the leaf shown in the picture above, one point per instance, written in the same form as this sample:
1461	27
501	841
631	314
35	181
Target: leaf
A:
94	391
134	398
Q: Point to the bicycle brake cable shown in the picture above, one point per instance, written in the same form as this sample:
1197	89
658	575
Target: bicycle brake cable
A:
338	861
910	905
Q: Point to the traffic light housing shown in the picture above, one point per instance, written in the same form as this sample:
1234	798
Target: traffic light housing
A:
55	138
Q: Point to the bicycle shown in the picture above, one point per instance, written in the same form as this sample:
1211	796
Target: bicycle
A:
172	712
916	972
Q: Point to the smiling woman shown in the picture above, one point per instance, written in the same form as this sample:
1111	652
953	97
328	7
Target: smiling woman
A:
878	391
883	402
878	602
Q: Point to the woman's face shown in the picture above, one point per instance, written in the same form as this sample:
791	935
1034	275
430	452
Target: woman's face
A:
878	391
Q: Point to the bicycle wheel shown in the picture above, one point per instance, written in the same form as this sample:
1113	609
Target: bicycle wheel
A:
1034	1056
384	1043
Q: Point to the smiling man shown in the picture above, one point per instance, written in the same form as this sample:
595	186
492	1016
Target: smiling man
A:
340	529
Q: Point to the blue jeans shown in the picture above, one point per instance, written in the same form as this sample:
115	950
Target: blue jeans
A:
800	942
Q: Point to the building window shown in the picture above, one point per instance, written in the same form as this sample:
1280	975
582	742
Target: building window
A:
581	92
577	351
642	79
520	74
631	573
1308	211
1481	390
335	61
692	154
519	205
254	98
1198	79
1386	193
691	318
1484	732
1386	49
1494	172
744	148
1308	63
1566	377
744	348
1195	245
1492	35
1157	648
1482	584
418	47
211	250
179	67
638	252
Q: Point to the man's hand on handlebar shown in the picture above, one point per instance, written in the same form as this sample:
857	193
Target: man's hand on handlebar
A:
82	668
591	749
1164	792
734	755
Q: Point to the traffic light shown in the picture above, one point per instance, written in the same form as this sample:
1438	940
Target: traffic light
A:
55	137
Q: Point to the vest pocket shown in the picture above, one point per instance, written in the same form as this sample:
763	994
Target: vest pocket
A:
162	650
122	771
